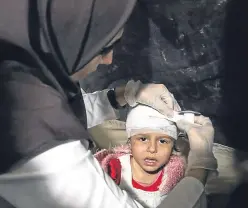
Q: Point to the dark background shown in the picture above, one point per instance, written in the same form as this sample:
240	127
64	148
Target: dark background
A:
198	49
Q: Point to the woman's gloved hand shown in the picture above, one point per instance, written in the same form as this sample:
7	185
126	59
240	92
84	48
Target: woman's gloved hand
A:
156	96
201	138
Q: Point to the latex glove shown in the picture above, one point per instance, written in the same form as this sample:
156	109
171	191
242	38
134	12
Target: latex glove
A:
201	138
156	96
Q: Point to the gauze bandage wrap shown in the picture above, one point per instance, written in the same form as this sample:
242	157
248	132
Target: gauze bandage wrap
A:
188	116
144	119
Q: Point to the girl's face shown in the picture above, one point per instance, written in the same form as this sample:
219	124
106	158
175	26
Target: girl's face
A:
151	151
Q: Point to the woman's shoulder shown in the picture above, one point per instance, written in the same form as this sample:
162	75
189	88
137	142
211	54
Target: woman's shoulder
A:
27	90
36	117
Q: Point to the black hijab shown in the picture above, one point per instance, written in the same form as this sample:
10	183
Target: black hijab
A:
42	43
59	37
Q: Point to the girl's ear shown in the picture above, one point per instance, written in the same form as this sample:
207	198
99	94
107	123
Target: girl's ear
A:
181	147
175	151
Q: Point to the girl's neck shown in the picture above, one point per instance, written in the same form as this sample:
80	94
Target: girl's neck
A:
139	175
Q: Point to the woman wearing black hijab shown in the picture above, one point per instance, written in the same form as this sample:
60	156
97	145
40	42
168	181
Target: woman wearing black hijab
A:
45	48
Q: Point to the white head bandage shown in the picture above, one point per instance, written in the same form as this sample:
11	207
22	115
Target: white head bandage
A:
144	119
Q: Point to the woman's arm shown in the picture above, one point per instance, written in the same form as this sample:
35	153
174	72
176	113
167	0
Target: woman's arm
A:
65	176
198	173
98	108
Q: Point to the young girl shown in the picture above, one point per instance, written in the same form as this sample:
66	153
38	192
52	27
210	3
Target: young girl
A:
146	167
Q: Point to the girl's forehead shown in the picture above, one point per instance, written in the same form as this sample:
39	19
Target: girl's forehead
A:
153	134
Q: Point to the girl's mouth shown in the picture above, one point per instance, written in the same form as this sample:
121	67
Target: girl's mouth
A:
150	162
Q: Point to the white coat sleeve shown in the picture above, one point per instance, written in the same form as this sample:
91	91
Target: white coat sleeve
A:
67	176
98	108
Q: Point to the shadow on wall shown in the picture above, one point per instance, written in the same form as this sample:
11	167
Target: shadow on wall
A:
234	104
234	101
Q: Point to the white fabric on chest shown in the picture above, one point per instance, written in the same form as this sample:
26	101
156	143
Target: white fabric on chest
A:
147	199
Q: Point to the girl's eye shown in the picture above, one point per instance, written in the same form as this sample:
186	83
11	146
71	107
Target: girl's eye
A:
164	141
143	139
